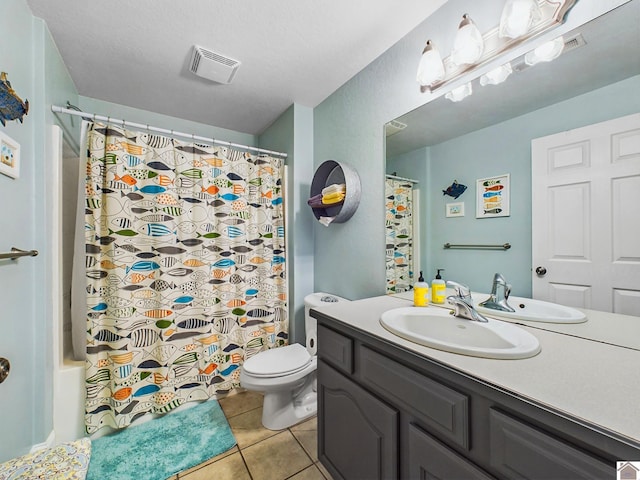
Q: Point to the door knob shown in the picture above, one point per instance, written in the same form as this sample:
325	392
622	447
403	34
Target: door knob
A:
541	271
4	369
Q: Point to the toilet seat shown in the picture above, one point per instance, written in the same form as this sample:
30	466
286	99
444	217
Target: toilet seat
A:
278	362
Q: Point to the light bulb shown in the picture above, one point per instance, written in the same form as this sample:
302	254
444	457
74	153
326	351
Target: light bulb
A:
497	75
431	67
545	52
468	44
459	93
517	17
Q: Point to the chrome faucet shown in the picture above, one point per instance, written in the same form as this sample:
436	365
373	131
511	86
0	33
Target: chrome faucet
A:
463	303
499	294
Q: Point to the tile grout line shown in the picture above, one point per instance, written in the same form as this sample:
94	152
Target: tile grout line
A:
245	463
313	464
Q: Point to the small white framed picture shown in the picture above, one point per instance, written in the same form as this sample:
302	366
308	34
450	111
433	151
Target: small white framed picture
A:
455	209
9	156
492	196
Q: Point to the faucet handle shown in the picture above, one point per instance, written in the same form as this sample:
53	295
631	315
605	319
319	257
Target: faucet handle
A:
462	290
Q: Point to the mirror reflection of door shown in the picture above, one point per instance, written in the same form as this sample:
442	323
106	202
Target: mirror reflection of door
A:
401	203
586	216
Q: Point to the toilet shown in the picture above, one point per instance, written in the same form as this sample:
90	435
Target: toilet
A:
287	375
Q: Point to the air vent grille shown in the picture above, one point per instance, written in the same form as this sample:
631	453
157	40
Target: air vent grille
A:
394	126
213	66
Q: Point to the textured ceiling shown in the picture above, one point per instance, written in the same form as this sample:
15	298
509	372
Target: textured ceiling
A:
137	53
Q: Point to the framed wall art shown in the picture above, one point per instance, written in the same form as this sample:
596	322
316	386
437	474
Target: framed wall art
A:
9	156
455	209
492	197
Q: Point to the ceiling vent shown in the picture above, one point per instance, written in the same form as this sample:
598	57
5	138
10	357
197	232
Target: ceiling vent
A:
392	127
212	66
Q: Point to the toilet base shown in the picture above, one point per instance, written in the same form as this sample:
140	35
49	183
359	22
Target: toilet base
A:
284	409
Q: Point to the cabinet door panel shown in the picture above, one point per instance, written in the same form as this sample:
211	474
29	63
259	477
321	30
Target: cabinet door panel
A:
441	408
431	460
358	434
521	451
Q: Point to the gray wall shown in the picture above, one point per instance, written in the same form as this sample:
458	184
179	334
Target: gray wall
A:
348	127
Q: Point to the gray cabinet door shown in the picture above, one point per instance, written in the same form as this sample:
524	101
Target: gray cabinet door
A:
521	451
357	433
429	459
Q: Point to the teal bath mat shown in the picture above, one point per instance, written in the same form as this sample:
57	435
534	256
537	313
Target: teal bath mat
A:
161	447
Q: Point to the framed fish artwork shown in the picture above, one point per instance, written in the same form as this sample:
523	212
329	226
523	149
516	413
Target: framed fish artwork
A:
9	156
492	196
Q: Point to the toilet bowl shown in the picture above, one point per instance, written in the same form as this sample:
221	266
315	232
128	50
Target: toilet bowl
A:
287	375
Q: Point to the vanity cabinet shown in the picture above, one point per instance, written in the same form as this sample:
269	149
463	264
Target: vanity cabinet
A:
387	412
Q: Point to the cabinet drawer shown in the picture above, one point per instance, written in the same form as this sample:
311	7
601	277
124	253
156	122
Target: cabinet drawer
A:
442	409
335	349
522	451
428	458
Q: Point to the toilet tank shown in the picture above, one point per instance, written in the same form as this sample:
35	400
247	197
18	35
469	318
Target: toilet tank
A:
319	299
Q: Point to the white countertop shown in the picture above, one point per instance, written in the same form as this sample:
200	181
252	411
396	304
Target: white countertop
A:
585	378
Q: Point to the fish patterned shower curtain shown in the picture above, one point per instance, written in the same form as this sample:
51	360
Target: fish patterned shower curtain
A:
399	235
185	266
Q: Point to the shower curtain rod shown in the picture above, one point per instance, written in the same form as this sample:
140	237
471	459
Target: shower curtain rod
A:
126	123
394	177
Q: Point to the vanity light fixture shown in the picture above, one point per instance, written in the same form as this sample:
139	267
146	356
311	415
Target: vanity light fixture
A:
545	52
497	75
431	68
521	20
468	44
518	16
459	93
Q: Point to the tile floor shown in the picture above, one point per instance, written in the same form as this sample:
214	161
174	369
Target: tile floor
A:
261	454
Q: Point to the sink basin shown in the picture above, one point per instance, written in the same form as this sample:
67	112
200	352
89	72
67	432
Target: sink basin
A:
532	310
438	328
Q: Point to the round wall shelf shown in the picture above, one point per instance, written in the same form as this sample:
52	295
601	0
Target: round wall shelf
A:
328	173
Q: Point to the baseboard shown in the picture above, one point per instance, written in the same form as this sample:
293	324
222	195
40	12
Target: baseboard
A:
48	443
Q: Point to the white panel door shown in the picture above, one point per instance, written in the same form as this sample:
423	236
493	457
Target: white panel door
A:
586	216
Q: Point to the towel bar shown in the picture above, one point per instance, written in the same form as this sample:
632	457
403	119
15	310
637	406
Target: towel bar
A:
504	246
16	252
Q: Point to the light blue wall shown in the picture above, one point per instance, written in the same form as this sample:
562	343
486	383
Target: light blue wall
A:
505	148
37	74
123	112
292	133
348	127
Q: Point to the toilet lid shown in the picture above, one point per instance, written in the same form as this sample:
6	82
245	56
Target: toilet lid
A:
278	361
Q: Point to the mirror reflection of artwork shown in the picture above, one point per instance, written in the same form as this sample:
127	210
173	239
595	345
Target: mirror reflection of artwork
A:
9	156
492	197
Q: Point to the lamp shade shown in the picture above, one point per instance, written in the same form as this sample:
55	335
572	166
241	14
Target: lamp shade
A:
517	17
545	52
497	75
468	44
459	93
431	68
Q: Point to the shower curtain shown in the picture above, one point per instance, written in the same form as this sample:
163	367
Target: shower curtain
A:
185	270
399	235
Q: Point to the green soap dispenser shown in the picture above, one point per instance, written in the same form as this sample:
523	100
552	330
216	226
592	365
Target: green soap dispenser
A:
438	289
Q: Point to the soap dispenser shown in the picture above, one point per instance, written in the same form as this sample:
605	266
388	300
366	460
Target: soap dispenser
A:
421	292
438	289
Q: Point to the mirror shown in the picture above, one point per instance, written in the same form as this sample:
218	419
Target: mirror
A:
598	76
